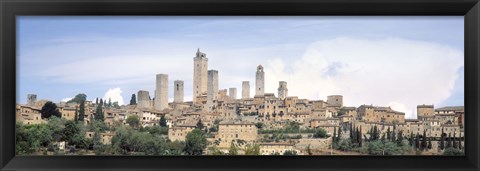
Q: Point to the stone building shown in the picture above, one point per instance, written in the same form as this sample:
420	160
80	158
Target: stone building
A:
272	148
179	132
282	90
245	89
161	92
229	131
143	99
28	115
425	110
200	69
178	91
335	100
259	81
232	92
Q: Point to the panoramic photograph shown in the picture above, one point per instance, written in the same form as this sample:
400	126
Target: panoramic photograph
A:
240	85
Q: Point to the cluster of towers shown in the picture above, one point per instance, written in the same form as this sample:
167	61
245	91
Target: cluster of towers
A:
205	83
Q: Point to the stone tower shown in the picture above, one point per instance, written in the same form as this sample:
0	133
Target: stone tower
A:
282	90
178	91
143	99
245	89
260	81
212	90
232	92
200	69
335	100
31	99
161	92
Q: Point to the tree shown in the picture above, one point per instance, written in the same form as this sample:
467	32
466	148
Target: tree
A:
453	152
78	98
163	121
259	125
200	124
133	100
252	149
359	137
411	143
389	134
50	109
321	133
81	112
116	105
400	138
454	143
442	140
133	121
417	141
290	153
460	142
76	114
233	150
339	134
309	150
70	131
99	113
96	100
97	143
195	142
449	140
424	140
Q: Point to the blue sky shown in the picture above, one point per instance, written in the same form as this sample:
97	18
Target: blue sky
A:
388	61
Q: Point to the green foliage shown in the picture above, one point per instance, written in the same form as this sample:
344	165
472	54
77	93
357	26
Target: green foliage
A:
50	109
344	145
233	149
215	151
133	121
200	124
453	152
99	113
97	125
250	114
195	142
321	133
81	112
57	126
133	100
259	125
384	148
252	149
115	105
78	98
31	138
290	153
71	129
163	121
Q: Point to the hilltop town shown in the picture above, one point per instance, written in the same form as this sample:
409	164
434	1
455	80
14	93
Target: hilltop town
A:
263	122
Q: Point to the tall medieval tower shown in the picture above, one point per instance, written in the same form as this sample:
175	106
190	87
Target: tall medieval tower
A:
212	91
282	90
245	89
178	91
161	92
200	69
260	81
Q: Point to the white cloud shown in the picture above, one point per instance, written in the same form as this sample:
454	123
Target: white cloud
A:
115	94
66	99
389	72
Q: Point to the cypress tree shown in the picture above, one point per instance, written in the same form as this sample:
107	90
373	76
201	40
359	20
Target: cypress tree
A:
339	134
76	114
351	132
417	141
424	140
99	113
449	140
400	137
375	133
454	141
389	137
442	140
81	113
411	139
96	100
460	142
109	102
133	100
359	137
334	137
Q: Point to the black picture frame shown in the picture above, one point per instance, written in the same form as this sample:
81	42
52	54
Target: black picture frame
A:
9	9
